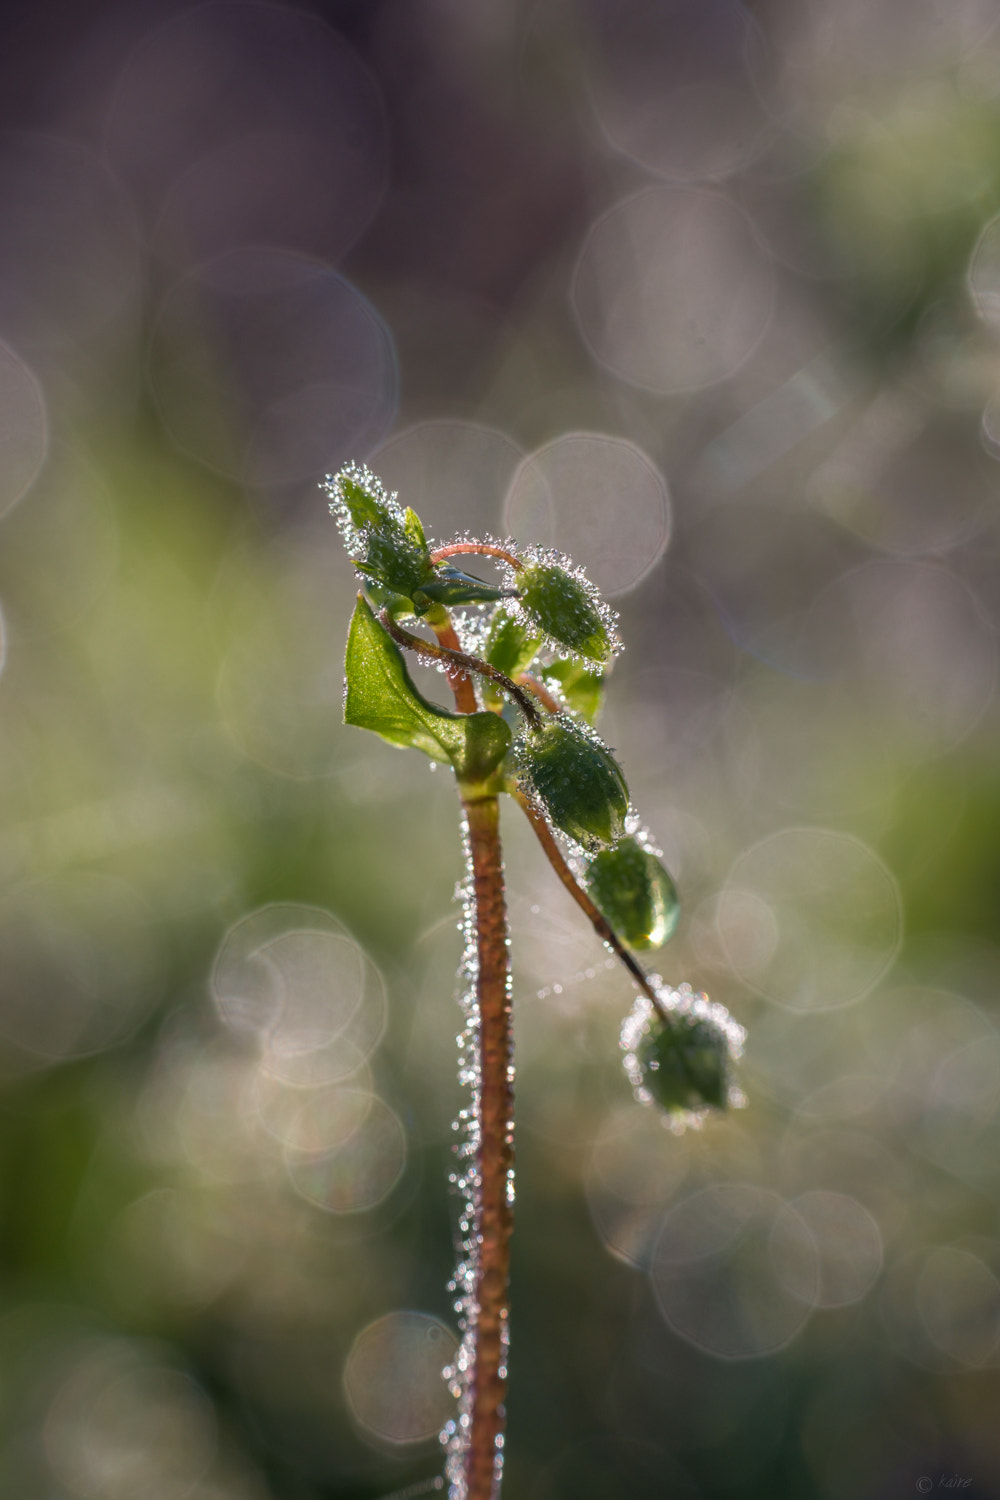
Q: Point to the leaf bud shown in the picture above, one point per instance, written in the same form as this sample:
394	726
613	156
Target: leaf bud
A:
385	543
567	608
577	781
636	894
682	1059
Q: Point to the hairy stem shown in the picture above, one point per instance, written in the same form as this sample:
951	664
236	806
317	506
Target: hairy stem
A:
540	691
597	920
462	660
459	681
495	1155
480	549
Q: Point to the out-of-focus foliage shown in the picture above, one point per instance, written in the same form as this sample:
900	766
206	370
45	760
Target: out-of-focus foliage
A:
709	296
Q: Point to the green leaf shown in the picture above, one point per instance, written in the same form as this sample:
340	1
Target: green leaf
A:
381	695
366	504
451	586
581	686
567	609
389	559
413	526
635	893
577	781
510	646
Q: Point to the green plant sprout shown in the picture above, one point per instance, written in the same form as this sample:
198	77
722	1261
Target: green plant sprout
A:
525	660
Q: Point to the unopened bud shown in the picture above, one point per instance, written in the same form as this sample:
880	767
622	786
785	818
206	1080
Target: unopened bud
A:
577	780
636	894
566	609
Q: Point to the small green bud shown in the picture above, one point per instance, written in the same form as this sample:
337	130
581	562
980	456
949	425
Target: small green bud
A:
682	1060
685	1065
391	560
577	781
635	893
566	608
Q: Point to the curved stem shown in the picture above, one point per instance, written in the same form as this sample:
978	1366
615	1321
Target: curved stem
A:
494	1156
465	662
597	920
478	549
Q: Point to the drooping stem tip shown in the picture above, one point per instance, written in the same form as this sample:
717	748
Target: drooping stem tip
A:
596	918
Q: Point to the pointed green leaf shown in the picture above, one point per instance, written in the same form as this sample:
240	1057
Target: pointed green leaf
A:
413	526
367	504
384	545
381	695
451	586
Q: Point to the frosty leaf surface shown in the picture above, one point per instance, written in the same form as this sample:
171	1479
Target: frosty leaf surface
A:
452	586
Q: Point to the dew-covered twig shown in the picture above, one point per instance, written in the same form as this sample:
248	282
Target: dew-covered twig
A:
477	549
600	923
494	1162
459	680
540	691
465	662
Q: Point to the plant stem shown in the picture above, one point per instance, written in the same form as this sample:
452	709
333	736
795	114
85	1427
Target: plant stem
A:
480	549
462	660
495	1154
597	920
540	691
459	681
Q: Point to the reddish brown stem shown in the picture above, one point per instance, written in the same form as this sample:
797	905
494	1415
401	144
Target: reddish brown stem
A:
460	682
540	691
464	661
479	549
495	1155
597	920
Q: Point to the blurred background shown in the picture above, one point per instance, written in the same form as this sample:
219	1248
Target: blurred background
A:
708	296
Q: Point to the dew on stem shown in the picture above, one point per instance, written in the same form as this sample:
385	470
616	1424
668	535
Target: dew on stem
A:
528	655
